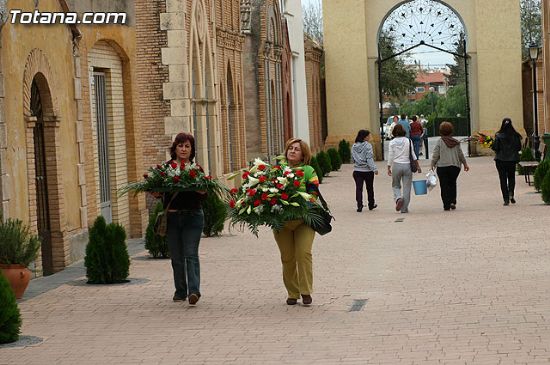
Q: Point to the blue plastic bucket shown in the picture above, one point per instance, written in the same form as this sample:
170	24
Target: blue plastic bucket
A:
420	187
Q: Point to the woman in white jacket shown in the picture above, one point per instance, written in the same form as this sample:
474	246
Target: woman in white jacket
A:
399	168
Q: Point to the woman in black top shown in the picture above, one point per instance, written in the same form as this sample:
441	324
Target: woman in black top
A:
507	145
185	224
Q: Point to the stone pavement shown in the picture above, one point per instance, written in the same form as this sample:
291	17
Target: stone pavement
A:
470	286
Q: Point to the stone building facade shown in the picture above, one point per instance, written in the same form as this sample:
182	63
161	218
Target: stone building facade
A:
313	56
72	139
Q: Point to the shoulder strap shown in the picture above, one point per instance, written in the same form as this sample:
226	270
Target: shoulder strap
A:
170	202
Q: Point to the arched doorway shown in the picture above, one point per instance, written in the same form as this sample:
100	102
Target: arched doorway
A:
41	175
423	24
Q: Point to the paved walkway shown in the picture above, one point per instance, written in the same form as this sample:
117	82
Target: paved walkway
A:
470	286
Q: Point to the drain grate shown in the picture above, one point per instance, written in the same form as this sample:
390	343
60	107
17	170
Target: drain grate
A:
358	305
399	220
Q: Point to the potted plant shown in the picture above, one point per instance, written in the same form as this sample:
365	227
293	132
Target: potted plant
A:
18	248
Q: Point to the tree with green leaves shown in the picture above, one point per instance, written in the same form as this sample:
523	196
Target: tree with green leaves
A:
397	79
531	24
457	74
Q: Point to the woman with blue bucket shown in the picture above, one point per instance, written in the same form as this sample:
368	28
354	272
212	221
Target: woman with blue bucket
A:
400	157
448	157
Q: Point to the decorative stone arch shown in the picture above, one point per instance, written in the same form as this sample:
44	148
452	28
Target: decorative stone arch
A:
107	57
46	198
202	89
494	49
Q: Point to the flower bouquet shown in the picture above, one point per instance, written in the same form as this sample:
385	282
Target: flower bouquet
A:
485	140
171	177
270	196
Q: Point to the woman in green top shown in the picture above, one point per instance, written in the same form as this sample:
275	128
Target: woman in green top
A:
295	240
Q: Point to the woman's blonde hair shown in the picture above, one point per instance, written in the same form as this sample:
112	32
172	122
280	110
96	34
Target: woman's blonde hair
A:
306	152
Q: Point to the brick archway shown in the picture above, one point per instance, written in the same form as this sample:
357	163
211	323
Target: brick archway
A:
38	70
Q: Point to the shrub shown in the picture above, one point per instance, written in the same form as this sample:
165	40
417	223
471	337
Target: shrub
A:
335	159
541	172
324	162
344	150
315	164
545	188
107	259
10	318
17	244
215	214
155	244
525	155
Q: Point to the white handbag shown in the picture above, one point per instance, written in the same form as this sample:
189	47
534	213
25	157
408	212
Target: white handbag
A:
431	179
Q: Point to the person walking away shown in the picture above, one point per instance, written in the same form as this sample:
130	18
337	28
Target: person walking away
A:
507	145
416	134
406	125
295	239
448	157
184	227
399	168
393	124
364	168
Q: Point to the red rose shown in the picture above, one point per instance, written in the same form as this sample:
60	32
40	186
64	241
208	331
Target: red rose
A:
279	186
277	167
208	177
146	176
261	167
263	179
232	203
162	173
173	165
251	192
176	179
284	196
234	191
193	174
264	196
286	173
245	175
273	201
182	165
297	183
257	202
159	167
299	173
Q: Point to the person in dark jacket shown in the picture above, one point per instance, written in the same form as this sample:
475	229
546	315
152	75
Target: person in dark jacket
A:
364	169
185	224
507	145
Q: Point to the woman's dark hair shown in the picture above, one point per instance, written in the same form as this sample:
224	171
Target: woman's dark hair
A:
361	135
182	138
414	118
446	129
398	131
507	128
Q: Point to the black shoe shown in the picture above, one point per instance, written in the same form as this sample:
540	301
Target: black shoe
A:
453	206
373	207
177	298
194	298
360	209
506	202
446	208
291	301
399	204
512	200
306	299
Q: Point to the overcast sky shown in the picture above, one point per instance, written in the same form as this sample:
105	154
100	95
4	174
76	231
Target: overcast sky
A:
427	56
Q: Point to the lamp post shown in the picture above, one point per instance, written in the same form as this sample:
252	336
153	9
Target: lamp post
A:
534	54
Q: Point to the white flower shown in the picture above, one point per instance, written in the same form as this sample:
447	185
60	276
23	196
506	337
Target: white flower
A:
259	209
282	180
273	190
306	196
252	181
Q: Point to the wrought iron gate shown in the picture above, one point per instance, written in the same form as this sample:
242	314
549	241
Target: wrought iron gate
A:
102	146
41	177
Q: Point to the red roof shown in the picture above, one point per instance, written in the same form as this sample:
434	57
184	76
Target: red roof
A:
431	78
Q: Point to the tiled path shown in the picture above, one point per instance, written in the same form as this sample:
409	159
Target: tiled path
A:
470	286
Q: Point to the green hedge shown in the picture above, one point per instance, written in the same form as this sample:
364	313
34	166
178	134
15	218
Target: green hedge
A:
545	188
155	244
107	260
10	318
215	214
335	159
344	149
324	162
540	173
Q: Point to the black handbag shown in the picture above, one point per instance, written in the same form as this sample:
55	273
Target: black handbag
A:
322	226
414	166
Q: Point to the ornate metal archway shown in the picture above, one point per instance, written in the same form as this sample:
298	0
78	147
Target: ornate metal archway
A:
429	23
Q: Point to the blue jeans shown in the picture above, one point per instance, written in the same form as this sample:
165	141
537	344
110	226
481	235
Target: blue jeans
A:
183	235
417	142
